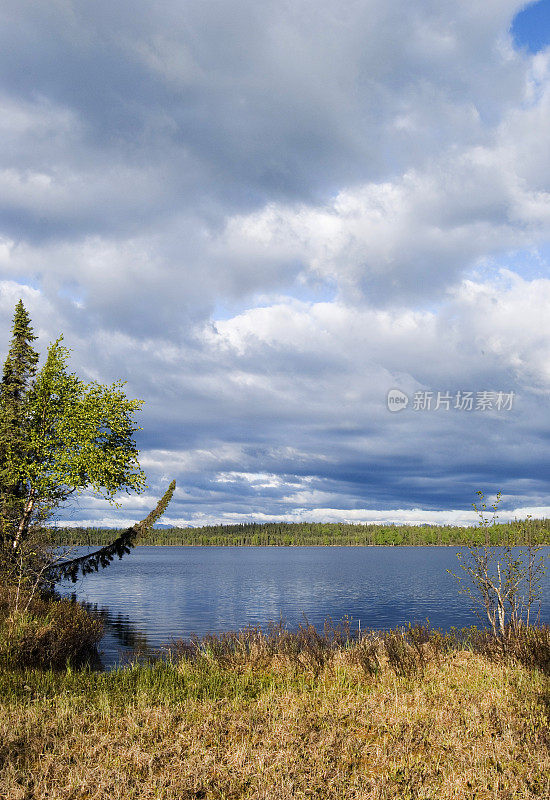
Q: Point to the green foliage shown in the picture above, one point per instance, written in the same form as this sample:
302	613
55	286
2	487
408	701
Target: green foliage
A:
80	436
22	359
536	531
19	369
59	436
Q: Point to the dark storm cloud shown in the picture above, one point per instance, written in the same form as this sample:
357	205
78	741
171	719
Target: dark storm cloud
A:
233	105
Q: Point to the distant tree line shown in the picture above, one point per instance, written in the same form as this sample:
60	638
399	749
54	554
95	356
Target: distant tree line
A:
531	531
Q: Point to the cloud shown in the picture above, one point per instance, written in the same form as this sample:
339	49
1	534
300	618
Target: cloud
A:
224	106
265	217
206	153
411	238
287	417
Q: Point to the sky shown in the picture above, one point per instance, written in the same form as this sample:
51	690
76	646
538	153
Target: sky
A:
313	237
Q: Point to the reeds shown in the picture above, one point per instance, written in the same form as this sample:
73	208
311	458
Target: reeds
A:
407	651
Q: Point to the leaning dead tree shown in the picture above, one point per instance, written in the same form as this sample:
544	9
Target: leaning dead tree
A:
69	570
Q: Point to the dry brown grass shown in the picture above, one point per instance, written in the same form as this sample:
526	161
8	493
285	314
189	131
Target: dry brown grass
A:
464	727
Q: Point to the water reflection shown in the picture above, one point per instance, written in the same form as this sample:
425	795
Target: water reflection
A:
122	638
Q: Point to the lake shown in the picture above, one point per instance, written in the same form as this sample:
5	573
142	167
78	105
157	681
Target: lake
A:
158	594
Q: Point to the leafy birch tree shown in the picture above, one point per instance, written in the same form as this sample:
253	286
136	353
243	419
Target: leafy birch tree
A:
60	436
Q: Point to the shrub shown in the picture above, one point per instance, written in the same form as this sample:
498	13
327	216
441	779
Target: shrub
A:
50	633
366	654
507	586
304	650
528	644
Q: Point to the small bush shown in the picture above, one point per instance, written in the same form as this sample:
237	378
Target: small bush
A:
304	650
402	656
47	634
366	653
528	645
531	647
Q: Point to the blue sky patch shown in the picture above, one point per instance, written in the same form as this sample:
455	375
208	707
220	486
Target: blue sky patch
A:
531	27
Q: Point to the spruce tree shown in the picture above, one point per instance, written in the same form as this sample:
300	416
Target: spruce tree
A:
19	370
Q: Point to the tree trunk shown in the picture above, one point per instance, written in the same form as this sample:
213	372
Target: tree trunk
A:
25	519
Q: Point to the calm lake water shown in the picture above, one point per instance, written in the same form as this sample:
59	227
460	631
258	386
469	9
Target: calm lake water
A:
158	594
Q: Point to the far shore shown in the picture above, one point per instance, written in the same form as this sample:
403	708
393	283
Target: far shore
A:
318	534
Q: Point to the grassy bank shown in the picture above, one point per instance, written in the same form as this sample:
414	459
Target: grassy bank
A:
44	633
534	531
280	715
